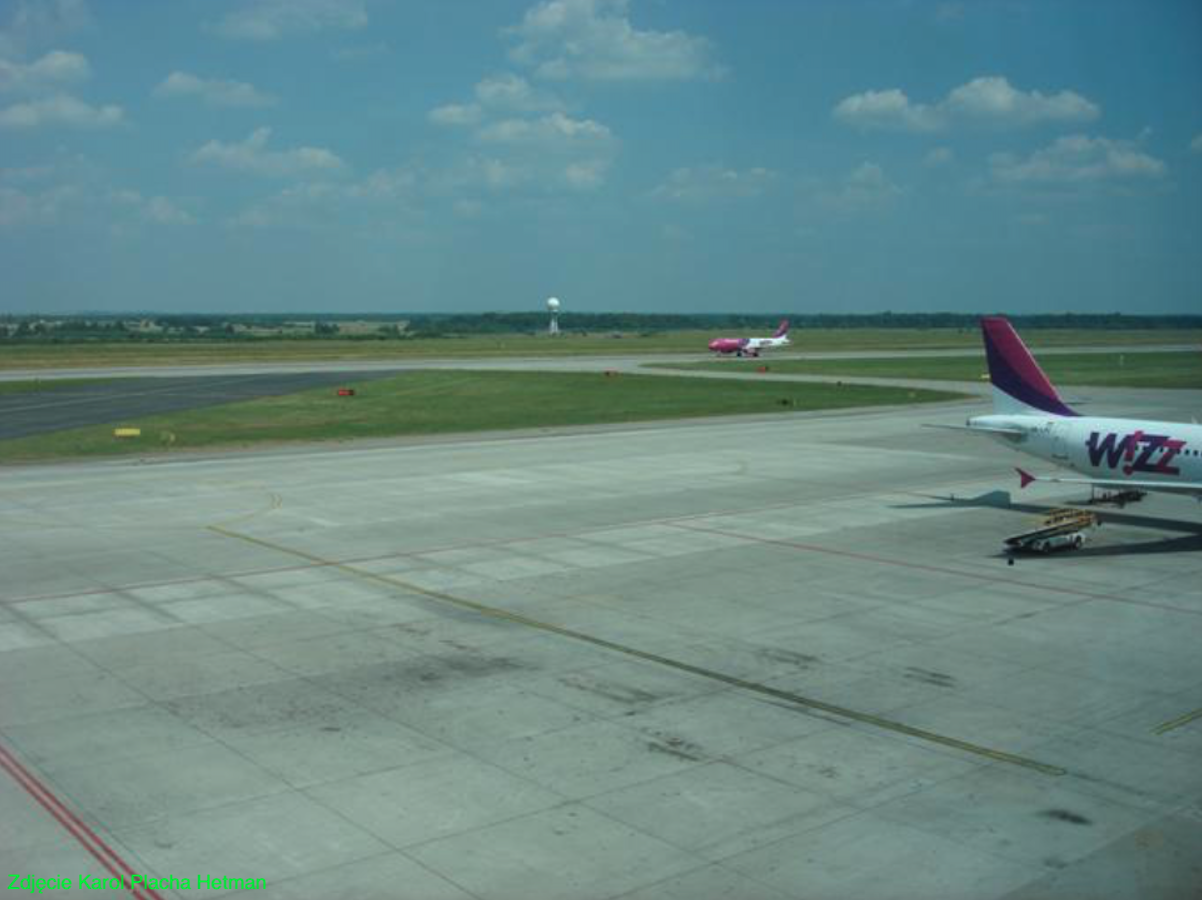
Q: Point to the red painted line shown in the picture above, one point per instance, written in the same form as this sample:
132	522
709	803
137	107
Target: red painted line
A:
941	570
74	826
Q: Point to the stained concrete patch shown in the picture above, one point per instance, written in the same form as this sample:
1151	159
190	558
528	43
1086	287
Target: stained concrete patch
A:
260	707
725	724
331	653
25	826
902	864
710	883
20	666
193	675
444	796
592	758
472	718
855	767
383	877
119	734
165	647
569	851
1023	819
127	792
622	688
718	810
68	695
1156	862
273	838
359	742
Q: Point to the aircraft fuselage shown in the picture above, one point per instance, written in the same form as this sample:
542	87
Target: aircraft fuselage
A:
1106	449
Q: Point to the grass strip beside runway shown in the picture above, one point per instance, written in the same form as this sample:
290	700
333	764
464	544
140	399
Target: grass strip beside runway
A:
447	401
1168	369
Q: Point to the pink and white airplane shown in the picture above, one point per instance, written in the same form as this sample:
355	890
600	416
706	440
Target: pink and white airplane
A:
1029	416
752	346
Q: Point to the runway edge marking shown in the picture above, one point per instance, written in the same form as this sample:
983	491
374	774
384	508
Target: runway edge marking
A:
74	826
734	681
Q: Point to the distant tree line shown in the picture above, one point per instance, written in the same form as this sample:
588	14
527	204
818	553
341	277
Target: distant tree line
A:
158	328
507	323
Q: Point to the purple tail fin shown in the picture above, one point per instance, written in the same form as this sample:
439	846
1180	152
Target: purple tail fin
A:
1019	384
782	329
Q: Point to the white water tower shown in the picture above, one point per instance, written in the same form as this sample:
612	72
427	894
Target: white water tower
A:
553	309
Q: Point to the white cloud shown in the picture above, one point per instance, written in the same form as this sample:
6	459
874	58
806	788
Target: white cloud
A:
701	184
1078	159
552	151
865	187
992	98
213	91
554	130
75	191
42	84
510	92
586	175
26	174
54	70
487	172
384	185
521	171
20	208
1196	144
887	109
58	109
39	22
498	94
989	99
252	156
595	40
456	114
313	205
157	210
270	20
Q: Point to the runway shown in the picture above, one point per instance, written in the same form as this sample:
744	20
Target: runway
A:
743	659
113	400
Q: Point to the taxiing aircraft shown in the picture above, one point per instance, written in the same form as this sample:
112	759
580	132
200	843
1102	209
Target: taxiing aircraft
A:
1124	454
752	346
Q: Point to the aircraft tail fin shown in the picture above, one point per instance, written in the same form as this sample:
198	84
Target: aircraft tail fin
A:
782	329
1019	385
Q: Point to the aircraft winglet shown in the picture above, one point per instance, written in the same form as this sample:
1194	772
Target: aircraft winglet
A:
1024	478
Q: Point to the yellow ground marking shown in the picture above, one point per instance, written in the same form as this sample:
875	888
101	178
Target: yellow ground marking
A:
1177	722
810	703
274	502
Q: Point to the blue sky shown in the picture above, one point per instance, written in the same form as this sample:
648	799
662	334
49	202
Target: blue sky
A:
640	155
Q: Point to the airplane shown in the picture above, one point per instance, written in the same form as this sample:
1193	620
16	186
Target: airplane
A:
752	346
1123	454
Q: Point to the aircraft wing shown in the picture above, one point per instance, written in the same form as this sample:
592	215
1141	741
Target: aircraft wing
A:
982	429
1193	488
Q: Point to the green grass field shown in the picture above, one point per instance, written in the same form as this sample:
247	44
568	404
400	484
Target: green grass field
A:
41	356
434	402
1151	370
